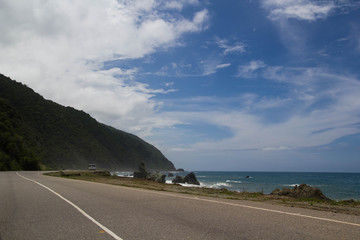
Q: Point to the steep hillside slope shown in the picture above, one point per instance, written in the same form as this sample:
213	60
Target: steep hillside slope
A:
37	130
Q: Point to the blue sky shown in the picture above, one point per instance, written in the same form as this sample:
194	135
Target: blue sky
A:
260	85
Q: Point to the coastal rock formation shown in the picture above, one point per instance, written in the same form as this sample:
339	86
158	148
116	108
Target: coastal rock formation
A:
156	177
190	179
178	179
161	179
144	174
301	191
141	172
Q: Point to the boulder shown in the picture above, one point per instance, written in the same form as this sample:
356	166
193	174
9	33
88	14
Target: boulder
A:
191	179
301	191
178	179
161	179
141	172
156	177
170	174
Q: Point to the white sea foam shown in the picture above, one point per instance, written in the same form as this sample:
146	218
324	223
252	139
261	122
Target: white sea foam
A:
291	185
219	185
169	181
125	174
189	185
233	181
297	184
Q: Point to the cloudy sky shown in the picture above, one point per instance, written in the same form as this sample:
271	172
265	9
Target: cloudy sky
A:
260	85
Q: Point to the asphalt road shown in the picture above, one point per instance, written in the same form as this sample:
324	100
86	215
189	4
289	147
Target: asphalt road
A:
33	206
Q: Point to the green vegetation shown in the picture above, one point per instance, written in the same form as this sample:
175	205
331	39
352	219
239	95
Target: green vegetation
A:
40	134
15	154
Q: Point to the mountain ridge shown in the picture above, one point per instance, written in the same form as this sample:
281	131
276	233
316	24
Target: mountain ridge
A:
34	129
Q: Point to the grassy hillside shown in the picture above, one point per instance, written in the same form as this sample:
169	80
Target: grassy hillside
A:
36	132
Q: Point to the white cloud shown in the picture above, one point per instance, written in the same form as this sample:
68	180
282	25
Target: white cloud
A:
58	48
281	148
299	9
169	84
249	70
230	48
319	108
293	33
211	65
224	65
178	4
240	48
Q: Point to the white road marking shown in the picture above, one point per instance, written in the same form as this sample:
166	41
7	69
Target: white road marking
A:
282	212
76	207
227	203
246	206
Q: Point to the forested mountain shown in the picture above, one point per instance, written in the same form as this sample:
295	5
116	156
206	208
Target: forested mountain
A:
36	134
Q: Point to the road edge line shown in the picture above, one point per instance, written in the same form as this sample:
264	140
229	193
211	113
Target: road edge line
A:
108	231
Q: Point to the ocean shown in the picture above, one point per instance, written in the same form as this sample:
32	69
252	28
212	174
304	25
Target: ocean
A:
337	186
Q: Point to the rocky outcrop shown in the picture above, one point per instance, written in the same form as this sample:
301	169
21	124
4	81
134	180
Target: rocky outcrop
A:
178	179
156	177
161	179
301	191
153	176
190	179
141	172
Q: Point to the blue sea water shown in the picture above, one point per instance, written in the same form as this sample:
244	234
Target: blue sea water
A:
337	186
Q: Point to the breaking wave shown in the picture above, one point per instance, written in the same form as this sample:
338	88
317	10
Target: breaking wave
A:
233	181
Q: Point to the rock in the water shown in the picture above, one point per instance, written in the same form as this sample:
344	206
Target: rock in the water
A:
178	179
191	179
170	174
301	191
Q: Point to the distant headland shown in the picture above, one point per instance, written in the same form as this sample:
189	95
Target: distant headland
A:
38	134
